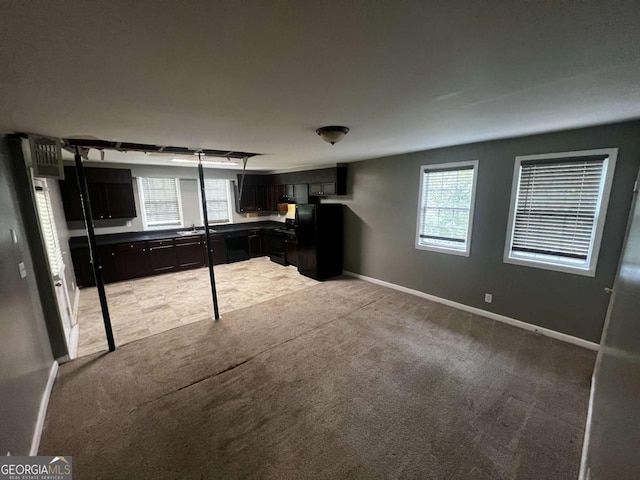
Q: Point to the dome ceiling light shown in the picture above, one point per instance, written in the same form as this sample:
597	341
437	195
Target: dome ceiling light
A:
332	134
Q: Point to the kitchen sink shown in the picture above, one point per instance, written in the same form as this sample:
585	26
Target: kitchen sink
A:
190	232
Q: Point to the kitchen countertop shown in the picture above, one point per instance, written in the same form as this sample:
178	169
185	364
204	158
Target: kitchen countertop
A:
126	237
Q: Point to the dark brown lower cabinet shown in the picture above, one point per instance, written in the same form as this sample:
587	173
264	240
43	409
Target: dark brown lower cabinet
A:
82	267
109	261
292	250
219	248
126	261
189	252
133	260
162	255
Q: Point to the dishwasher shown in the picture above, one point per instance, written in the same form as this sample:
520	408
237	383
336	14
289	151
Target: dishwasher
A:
237	246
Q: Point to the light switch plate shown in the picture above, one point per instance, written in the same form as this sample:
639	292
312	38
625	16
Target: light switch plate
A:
23	270
14	237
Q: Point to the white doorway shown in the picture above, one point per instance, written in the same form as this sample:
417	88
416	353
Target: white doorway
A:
56	264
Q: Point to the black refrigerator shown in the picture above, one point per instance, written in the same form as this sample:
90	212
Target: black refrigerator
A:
319	232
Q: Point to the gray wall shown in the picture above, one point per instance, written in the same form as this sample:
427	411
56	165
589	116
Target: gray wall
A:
380	228
25	354
613	435
189	188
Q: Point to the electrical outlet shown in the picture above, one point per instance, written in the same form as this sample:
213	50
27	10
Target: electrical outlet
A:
14	237
488	298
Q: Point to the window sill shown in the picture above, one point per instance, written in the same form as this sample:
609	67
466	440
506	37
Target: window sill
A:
525	262
434	248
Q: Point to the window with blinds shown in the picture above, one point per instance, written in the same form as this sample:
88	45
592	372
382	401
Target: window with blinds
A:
558	208
49	232
445	215
217	193
160	199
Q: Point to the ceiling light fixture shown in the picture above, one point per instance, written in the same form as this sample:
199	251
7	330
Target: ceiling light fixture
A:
204	162
332	134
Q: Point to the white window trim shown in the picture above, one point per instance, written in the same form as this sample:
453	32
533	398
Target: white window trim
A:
437	166
146	226
230	200
601	212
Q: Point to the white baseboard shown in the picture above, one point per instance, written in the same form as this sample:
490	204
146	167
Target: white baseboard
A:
73	341
76	302
484	313
42	411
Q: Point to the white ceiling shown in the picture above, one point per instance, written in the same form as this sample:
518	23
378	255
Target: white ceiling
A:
261	76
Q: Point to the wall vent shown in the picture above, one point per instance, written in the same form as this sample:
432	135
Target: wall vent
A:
46	157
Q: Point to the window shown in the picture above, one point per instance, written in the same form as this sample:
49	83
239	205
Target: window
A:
218	200
160	199
445	216
558	205
45	214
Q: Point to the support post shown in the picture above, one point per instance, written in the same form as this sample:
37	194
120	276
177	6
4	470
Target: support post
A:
207	240
95	259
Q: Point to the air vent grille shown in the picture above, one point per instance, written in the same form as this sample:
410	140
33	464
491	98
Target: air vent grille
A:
46	157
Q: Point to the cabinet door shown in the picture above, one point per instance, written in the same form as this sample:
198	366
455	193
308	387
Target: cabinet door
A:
248	201
328	189
189	253
301	192
109	261
119	201
71	196
289	192
315	189
133	260
99	204
82	267
256	244
219	249
292	251
162	255
272	198
261	197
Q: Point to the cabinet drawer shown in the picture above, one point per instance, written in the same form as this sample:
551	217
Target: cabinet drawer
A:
132	246
161	243
194	240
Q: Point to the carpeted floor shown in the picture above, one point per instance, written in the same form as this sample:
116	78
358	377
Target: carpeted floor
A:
345	380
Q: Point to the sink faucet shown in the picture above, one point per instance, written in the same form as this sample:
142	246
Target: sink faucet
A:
193	227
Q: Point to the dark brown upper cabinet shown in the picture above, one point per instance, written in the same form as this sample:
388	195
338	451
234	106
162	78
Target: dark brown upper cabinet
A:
264	192
110	193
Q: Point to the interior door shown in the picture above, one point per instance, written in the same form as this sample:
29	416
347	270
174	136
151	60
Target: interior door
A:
612	436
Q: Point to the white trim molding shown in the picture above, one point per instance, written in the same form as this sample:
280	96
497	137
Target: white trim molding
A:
42	411
483	313
547	262
466	251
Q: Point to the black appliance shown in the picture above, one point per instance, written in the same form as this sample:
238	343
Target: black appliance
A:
276	246
237	246
319	232
277	241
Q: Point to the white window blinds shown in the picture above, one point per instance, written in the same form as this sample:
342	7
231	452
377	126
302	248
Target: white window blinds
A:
160	202
557	208
217	193
445	206
52	244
